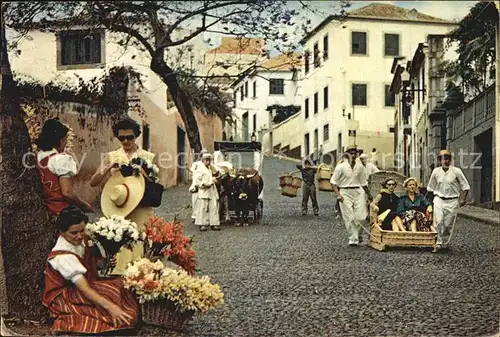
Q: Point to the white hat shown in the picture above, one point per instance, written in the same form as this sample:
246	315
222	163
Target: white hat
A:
206	156
203	151
363	156
121	195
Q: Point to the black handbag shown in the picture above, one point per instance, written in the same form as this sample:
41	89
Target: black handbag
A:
153	194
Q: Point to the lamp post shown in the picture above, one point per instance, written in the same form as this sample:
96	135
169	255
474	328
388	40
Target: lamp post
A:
253	138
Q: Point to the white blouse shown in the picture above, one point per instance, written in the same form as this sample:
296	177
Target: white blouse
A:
67	264
62	164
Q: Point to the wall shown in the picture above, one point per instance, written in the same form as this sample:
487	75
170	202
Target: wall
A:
288	133
90	143
341	69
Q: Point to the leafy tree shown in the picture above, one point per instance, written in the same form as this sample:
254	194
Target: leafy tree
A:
151	26
475	36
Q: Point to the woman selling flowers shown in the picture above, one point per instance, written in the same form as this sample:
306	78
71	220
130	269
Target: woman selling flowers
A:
414	210
126	130
77	300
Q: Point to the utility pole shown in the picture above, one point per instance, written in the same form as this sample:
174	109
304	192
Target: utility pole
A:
497	104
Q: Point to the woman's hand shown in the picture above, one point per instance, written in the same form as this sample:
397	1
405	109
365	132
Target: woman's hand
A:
375	209
118	316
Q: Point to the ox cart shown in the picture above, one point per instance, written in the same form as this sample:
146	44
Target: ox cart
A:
381	239
240	188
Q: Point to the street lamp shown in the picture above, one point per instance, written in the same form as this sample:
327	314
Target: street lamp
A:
253	138
343	112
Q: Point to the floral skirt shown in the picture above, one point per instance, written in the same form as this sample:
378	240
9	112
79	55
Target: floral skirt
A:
423	224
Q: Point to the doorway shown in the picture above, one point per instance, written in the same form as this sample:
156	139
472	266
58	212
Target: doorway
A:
181	155
484	143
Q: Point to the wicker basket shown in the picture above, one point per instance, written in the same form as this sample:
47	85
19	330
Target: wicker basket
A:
286	180
325	185
163	313
380	239
296	182
324	173
289	191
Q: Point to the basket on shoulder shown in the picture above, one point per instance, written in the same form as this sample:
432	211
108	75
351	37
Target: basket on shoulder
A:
290	184
324	175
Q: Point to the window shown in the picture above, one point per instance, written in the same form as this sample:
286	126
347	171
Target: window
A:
276	86
254	122
316	55
306	61
145	137
325	98
242	93
316	103
316	140
306	145
79	47
235	98
325	47
358	43
359	94
391	44
246	89
306	107
326	132
390	98
254	85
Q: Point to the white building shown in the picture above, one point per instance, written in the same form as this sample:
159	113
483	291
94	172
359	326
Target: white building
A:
261	93
346	74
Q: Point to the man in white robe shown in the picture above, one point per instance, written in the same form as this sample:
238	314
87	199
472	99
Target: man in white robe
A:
194	191
350	193
208	198
450	189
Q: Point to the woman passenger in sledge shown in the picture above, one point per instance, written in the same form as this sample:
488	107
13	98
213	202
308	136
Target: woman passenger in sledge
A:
385	207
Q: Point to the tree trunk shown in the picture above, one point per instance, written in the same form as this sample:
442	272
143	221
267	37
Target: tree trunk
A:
181	101
26	234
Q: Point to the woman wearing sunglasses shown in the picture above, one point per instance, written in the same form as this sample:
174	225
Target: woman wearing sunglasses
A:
126	130
385	207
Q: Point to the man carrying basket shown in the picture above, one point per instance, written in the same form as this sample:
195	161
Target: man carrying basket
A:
308	188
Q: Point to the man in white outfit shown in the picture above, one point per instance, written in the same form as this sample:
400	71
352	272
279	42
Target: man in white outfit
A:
450	189
194	191
208	198
347	184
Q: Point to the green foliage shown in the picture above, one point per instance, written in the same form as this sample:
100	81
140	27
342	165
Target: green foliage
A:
475	36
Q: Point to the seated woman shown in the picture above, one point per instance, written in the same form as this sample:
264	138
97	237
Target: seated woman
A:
414	210
385	207
57	169
77	300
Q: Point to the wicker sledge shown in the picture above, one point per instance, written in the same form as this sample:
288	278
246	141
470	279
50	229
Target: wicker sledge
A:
381	239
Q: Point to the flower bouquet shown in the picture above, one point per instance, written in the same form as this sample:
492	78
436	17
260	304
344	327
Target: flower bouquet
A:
165	239
170	297
112	234
154	191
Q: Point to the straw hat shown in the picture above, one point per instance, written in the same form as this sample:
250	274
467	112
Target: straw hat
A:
206	156
444	153
121	195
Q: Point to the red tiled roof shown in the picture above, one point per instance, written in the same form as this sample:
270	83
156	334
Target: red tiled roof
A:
235	45
387	11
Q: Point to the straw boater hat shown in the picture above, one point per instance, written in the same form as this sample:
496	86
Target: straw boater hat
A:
444	153
121	195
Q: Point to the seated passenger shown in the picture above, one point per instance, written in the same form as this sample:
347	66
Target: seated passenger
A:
77	300
385	207
414	210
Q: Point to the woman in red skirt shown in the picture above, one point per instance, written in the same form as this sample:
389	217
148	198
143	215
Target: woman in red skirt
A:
77	300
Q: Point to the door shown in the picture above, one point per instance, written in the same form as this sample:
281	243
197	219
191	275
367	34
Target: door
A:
484	142
306	145
244	127
181	151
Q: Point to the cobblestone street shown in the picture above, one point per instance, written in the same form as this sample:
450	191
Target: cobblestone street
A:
296	276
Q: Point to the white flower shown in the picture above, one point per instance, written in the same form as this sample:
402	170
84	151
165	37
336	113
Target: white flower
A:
156	169
118	238
120	218
110	236
135	235
103	232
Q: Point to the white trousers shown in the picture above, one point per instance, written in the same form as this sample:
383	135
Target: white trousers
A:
207	212
354	212
194	199
444	214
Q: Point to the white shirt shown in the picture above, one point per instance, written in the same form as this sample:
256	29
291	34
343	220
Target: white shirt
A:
204	177
371	168
448	184
62	164
345	176
67	264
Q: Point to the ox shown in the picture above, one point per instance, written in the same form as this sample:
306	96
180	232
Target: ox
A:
246	187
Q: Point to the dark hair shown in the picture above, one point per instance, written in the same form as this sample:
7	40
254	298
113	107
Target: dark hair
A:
308	162
70	216
384	183
374	150
52	133
127	124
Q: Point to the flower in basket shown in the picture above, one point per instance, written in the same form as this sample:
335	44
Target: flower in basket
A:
166	239
186	293
113	233
137	164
